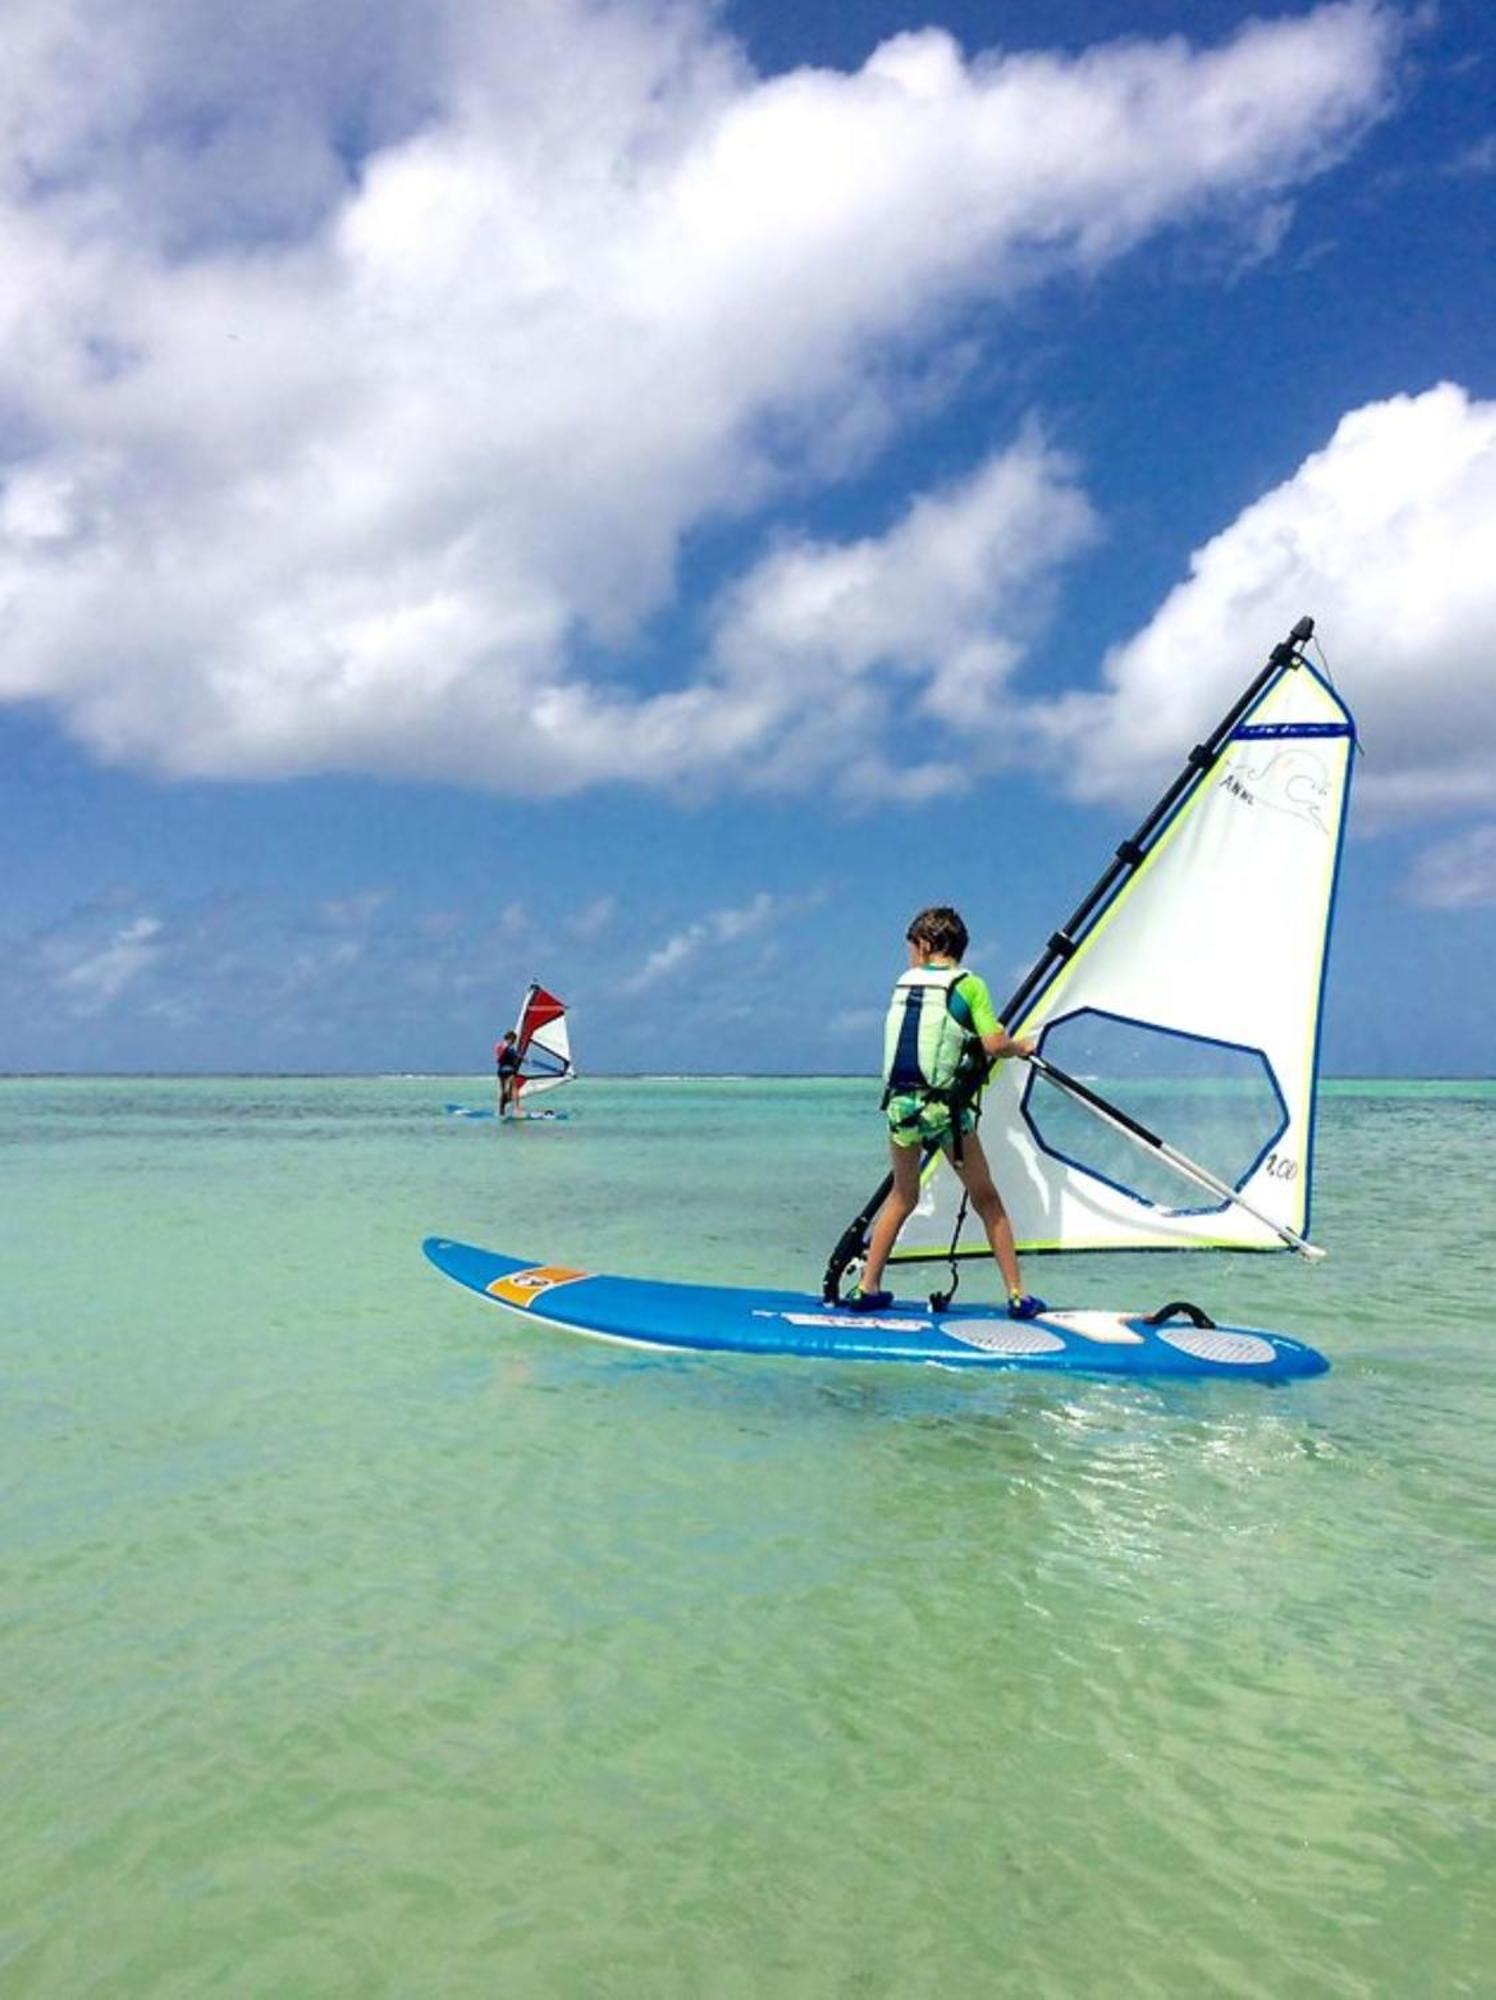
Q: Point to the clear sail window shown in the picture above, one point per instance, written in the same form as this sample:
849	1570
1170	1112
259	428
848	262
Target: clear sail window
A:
1216	1102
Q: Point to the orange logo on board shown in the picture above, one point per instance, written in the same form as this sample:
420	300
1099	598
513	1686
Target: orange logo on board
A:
523	1288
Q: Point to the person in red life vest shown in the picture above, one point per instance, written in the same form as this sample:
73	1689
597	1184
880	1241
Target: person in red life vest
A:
506	1065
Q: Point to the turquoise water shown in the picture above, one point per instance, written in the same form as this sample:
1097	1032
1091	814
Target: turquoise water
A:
361	1640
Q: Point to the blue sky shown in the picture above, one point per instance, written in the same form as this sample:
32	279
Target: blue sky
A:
646	497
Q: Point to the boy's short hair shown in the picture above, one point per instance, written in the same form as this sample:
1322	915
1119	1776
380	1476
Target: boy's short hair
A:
940	929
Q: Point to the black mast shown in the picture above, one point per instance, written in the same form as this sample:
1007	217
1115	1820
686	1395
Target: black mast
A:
1129	856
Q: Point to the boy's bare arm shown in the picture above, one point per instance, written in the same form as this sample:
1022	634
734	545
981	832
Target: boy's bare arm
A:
1000	1044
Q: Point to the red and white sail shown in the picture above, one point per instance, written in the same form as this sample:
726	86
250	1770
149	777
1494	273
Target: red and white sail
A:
544	1043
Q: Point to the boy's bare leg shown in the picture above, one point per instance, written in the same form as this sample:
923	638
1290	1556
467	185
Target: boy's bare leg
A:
976	1178
895	1212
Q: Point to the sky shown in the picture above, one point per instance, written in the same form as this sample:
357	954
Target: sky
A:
646	496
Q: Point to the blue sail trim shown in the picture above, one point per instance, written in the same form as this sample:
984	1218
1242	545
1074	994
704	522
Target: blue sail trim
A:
1251	730
1324	963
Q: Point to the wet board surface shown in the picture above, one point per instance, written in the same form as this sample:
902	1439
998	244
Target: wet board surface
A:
742	1320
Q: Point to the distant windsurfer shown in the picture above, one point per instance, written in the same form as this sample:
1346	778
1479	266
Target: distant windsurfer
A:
941	1040
506	1065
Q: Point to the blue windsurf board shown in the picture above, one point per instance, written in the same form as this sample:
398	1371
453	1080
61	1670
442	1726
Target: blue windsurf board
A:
733	1319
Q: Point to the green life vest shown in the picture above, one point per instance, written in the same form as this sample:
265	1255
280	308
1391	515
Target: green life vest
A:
927	1050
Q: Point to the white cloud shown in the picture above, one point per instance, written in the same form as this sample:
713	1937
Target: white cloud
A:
89	978
823	648
717	927
729	924
1458	874
365	368
1385	537
665	959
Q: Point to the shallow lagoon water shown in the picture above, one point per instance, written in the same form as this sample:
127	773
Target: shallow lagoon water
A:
359	1639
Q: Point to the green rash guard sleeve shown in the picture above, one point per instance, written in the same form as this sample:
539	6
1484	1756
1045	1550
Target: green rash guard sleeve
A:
970	995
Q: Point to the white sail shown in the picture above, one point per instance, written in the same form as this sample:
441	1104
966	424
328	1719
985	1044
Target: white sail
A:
1192	1004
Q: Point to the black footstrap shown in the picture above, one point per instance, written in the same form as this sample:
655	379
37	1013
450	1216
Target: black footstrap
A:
1178	1309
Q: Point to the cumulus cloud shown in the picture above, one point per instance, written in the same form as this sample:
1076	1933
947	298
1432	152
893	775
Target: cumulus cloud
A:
362	370
923	623
823	650
1458	874
1385	537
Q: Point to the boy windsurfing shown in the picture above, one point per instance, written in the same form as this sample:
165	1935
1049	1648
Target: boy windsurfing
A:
941	1040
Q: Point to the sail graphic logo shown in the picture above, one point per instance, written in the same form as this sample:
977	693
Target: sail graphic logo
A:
523	1288
1292	781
